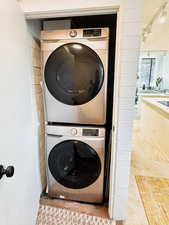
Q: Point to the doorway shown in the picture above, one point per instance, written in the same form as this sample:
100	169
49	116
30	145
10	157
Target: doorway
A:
98	21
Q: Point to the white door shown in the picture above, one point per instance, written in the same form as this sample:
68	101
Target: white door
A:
19	195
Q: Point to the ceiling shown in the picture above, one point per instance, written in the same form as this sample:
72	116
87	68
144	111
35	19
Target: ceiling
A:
150	7
159	39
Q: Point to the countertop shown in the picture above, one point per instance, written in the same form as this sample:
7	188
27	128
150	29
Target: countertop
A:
154	94
154	103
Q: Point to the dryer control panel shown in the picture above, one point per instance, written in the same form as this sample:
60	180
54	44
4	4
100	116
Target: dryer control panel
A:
90	132
92	32
87	33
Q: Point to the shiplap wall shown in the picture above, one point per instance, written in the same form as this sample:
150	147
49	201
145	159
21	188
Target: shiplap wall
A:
128	46
34	28
37	78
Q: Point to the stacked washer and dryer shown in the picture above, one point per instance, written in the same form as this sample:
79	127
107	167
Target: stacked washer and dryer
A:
75	65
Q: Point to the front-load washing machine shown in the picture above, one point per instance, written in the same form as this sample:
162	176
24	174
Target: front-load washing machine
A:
75	162
75	75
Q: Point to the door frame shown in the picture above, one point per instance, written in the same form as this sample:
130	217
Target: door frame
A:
116	194
72	12
90	12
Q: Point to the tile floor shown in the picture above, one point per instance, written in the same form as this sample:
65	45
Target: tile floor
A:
147	160
155	197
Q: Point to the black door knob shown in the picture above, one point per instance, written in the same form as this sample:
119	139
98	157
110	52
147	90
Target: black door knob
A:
9	171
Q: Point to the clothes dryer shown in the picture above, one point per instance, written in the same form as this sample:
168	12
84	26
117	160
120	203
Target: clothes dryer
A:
75	66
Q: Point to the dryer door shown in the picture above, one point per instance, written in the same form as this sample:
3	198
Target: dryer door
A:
74	164
74	74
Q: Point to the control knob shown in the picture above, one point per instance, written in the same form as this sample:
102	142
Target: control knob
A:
73	33
73	131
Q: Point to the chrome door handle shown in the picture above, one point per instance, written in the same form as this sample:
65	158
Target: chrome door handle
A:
9	171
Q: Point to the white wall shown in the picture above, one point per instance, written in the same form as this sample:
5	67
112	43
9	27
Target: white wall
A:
128	42
127	54
34	29
158	40
19	196
33	33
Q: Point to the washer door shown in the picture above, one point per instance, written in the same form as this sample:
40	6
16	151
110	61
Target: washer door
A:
74	164
74	74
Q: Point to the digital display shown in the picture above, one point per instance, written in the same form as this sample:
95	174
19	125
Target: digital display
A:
92	33
90	132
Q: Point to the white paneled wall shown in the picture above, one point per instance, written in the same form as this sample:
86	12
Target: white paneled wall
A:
37	78
128	43
34	28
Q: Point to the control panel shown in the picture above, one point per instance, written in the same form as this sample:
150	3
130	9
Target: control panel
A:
90	132
92	33
75	132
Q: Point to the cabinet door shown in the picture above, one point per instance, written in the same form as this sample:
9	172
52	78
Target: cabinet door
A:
19	194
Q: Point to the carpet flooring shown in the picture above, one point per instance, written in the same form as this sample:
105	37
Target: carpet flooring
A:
48	215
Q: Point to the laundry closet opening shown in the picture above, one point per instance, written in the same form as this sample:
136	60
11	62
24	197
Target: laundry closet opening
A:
78	180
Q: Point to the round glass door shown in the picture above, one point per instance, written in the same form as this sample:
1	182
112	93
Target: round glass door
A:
74	164
74	74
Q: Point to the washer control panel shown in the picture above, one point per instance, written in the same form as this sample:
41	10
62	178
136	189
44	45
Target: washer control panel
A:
77	131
